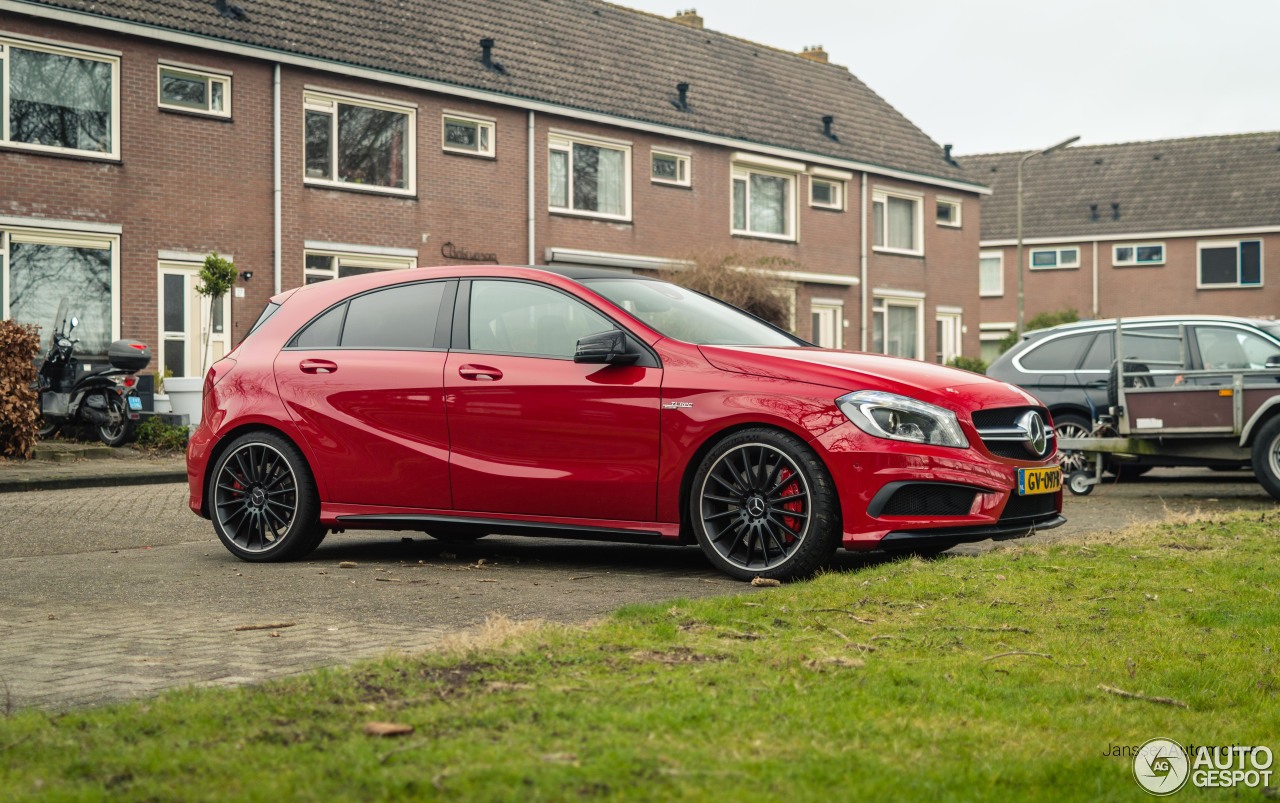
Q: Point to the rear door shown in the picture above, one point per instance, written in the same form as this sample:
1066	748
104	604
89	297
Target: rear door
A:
364	382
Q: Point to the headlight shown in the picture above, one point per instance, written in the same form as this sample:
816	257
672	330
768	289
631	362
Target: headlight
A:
899	418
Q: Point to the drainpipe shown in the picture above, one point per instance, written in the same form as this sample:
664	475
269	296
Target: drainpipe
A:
863	265
1095	278
532	261
276	190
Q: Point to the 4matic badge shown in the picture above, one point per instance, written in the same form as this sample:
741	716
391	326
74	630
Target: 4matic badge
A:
677	405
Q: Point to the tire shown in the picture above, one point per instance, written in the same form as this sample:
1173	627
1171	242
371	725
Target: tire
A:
47	430
762	504
119	432
1136	375
262	500
1127	471
1079	483
1071	426
1266	457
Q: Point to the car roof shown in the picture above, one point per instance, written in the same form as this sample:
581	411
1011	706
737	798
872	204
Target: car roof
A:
1036	334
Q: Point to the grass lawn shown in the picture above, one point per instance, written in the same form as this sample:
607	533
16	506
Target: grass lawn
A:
993	677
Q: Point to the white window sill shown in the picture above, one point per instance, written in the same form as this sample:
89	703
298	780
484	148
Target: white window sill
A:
473	154
51	150
783	238
1229	286
883	249
950	225
197	112
826	207
592	215
371	189
667	183
1055	267
991	295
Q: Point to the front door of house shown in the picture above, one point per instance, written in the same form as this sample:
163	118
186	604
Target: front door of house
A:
194	333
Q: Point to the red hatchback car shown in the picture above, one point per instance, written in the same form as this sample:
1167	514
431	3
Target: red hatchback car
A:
589	403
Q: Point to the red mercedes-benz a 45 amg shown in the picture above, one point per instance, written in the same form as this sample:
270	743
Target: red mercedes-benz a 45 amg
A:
595	404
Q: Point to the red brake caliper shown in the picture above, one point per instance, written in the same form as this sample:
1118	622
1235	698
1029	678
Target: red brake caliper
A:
796	505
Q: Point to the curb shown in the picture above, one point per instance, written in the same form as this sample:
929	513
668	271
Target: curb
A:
125	478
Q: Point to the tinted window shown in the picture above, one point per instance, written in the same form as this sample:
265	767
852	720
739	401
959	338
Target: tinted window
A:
1158	346
523	318
1058	354
323	332
400	317
1101	354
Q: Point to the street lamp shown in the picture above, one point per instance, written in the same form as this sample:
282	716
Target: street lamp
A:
1021	270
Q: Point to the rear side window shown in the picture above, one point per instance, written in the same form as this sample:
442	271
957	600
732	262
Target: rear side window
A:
1059	354
1101	354
399	317
1158	346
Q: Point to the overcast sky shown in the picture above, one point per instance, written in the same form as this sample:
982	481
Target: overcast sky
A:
1004	75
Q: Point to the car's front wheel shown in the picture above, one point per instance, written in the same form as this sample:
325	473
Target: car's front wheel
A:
762	504
1266	457
262	500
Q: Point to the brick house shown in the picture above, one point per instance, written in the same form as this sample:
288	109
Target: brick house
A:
309	141
1144	228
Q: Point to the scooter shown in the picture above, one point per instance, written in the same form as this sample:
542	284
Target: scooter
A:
105	399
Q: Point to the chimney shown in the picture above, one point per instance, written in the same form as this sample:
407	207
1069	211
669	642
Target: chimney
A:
827	120
682	102
688	18
946	155
486	52
814	53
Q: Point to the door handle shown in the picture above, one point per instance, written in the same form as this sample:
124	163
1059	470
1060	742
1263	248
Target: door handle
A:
317	366
481	373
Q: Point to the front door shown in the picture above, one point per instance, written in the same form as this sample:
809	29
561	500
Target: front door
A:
533	432
194	333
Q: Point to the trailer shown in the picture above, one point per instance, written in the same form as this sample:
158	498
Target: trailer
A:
1224	414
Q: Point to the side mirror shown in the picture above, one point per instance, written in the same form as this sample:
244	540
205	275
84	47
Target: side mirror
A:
605	348
1273	361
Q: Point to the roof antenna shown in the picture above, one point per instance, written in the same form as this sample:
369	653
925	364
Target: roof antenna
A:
231	11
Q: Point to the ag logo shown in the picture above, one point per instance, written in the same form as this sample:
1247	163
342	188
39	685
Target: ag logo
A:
1160	767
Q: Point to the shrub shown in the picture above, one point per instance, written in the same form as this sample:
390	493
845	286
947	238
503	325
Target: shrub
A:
978	366
19	402
154	433
744	281
1042	321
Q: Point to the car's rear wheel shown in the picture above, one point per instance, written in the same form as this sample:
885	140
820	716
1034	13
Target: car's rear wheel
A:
763	505
1071	426
1266	457
262	500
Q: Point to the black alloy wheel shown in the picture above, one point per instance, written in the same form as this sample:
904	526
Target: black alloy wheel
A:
763	505
262	500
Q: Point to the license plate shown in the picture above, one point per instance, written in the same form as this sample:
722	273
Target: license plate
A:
1033	481
135	403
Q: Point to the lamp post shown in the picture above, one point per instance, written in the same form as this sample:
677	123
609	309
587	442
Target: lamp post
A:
1021	270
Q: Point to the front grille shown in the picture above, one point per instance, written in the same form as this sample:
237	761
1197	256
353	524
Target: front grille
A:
929	499
1029	507
1002	436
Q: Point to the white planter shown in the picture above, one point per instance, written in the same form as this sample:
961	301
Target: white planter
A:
185	396
162	404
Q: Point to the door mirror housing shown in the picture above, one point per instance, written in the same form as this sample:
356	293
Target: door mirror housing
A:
1273	361
605	348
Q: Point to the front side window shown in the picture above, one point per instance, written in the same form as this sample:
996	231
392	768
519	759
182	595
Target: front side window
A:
991	274
763	203
529	319
670	168
1054	258
468	135
1229	348
42	269
896	223
194	91
321	266
358	143
1230	264
1137	254
59	100
589	177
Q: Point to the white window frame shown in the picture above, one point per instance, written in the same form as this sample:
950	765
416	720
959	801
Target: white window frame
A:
833	307
210	77
487	124
952	320
1262	263
61	237
742	171
8	43
563	142
352	259
684	172
997	255
880	197
956	205
882	300
1059	264
1133	262
838	190
326	101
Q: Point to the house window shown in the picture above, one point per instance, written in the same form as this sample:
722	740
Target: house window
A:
321	266
825	194
895	223
763	203
1054	258
948	334
991	274
358	143
194	91
669	168
1230	263
59	100
1137	254
948	212
42	269
590	177
896	326
467	135
828	323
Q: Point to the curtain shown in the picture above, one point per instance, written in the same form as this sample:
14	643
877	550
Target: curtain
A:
902	331
611	184
902	223
59	100
769	204
558	180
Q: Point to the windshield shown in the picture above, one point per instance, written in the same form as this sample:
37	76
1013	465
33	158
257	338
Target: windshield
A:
692	317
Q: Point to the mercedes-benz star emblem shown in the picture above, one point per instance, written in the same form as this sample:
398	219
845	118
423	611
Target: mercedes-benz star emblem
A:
755	506
1037	433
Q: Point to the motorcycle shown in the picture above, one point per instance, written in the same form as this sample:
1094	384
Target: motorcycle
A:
105	398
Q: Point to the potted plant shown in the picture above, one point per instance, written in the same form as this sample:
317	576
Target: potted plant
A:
217	277
162	404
